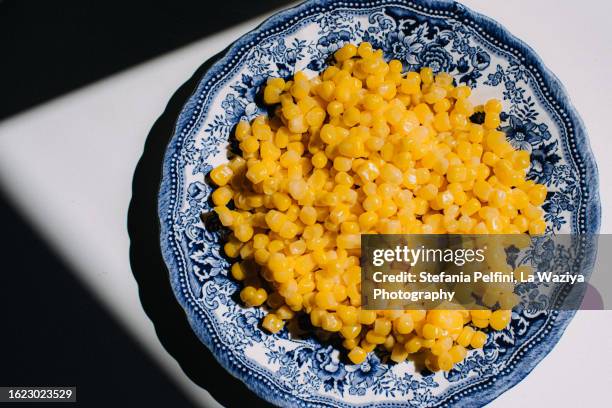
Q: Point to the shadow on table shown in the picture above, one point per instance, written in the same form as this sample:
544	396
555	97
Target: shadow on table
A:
150	271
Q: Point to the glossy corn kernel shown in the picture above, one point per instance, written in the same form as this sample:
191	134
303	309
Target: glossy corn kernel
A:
252	296
500	319
357	355
221	175
478	339
272	323
239	271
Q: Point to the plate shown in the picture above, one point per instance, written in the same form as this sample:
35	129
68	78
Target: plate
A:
447	36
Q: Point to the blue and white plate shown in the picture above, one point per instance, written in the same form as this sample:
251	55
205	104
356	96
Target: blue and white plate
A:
447	36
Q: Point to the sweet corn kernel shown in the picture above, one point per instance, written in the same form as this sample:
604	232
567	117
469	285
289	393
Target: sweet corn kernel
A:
478	339
357	355
500	319
272	323
221	175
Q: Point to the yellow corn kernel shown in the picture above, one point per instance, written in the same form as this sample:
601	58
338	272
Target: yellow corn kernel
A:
427	192
315	117
482	190
426	75
399	353
272	323
500	319
252	296
350	344
222	196
456	174
335	108
492	120
244	232
348	314
281	201
382	327
478	339
395	66
342	163
441	346
537	227
331	322
350	331
373	338
436	93
532	212
520	159
441	122
232	248
493	106
537	194
221	175
442	105
404	324
326	90
238	270
272	94
445	361
465	337
243	129
413	345
357	355
430	331
367	317
249	145
346	52
325	300
411	84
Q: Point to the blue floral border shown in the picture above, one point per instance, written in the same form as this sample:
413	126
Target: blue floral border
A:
588	216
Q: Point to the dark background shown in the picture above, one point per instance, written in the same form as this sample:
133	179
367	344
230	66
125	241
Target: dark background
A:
54	333
50	47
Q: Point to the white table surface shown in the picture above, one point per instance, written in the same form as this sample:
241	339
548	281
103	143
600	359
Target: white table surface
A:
68	166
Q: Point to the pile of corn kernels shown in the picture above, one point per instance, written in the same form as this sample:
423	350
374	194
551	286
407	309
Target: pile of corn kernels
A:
364	148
